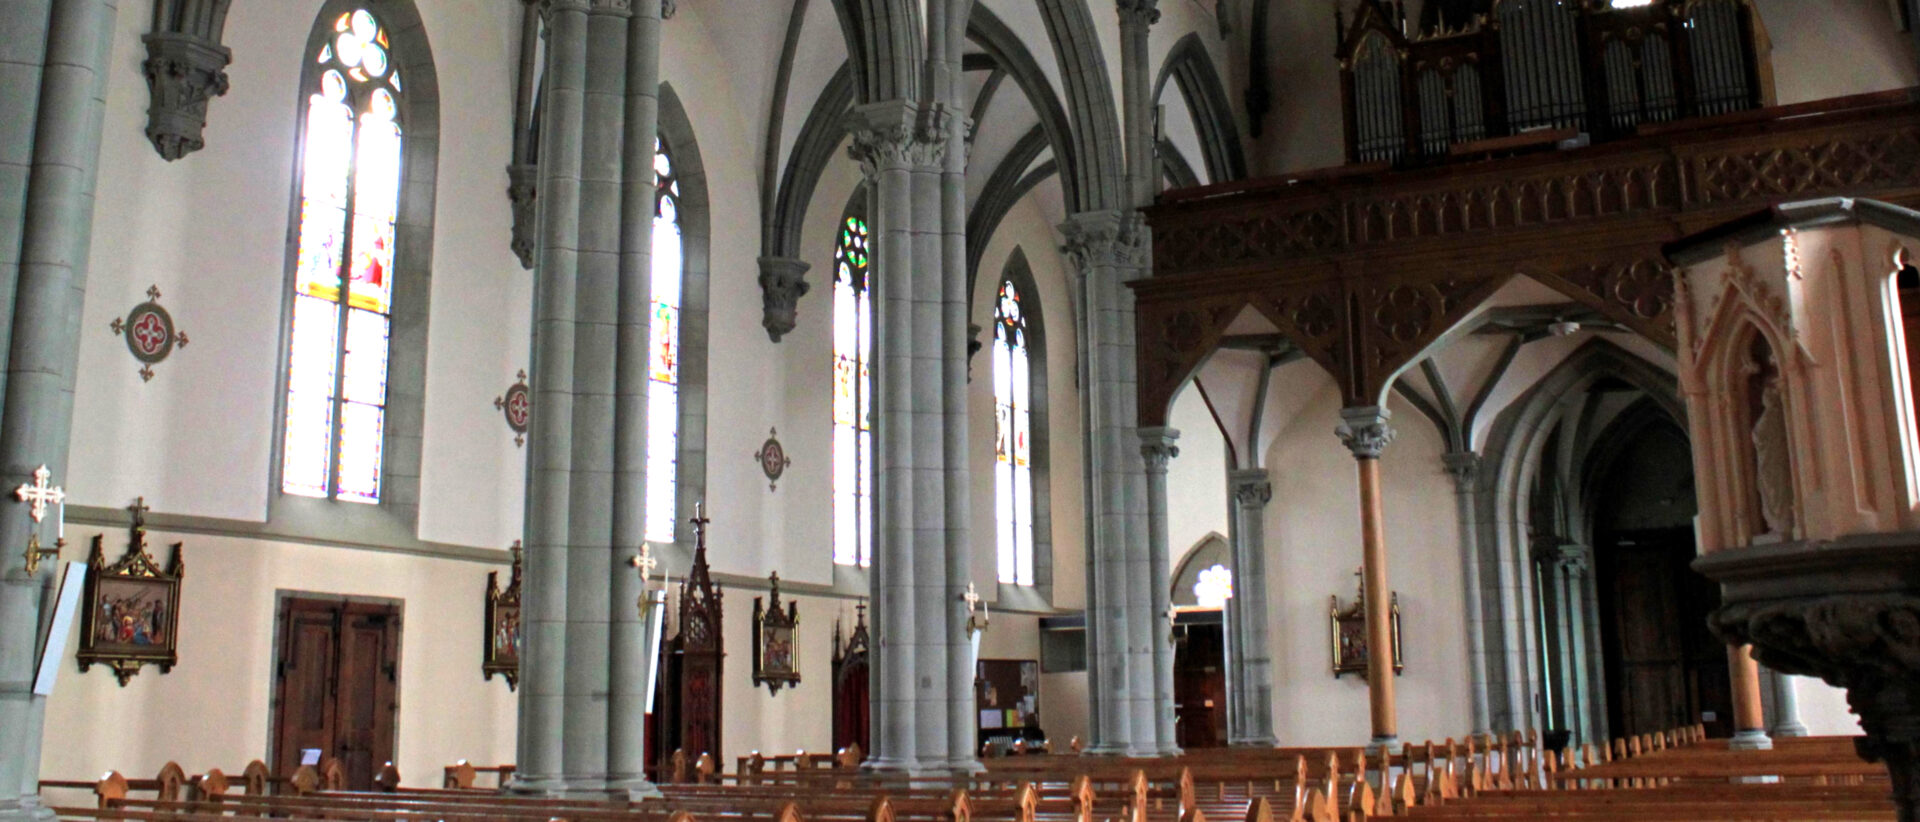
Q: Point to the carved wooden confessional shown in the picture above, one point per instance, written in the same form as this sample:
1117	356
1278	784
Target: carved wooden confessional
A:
1517	73
850	691
688	714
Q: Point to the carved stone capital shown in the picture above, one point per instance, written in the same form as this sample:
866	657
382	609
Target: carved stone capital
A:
618	8
549	8
1141	13
1157	445
1104	239
1463	466
897	134
783	281
184	72
521	193
1554	554
1251	488
1364	431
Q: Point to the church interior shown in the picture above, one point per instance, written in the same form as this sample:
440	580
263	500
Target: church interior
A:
703	410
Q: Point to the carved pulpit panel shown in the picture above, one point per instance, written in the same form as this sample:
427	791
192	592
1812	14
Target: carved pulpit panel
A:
1793	359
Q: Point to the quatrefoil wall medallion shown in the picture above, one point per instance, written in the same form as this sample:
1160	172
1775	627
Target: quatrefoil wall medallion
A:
773	459
517	407
150	333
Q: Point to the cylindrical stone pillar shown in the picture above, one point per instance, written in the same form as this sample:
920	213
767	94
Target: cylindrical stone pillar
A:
1786	708
1249	662
630	667
1158	448
543	654
1464	467
43	288
1365	432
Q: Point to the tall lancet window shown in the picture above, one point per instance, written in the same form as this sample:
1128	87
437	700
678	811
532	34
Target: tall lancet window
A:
852	397
1012	439
336	412
663	358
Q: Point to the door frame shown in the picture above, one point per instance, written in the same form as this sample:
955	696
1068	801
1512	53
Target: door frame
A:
280	598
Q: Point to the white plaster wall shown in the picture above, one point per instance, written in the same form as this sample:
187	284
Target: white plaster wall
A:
1823	708
215	709
1313	539
1197	502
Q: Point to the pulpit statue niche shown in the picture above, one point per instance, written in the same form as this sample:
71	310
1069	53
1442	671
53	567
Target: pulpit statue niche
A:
1794	354
687	714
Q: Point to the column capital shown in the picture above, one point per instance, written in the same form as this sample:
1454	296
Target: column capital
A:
1157	445
1141	13
1364	431
1251	487
1100	239
783	281
897	134
617	8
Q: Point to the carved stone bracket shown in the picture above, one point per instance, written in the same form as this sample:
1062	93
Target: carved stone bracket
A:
783	281
522	190
1846	611
185	67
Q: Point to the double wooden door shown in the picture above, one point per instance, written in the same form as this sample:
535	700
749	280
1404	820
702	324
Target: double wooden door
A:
335	692
1664	666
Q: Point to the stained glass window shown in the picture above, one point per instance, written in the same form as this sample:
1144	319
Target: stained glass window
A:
1214	588
1012	439
852	397
343	275
663	358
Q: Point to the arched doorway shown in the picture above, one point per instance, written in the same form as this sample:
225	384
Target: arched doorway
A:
1663	668
1202	588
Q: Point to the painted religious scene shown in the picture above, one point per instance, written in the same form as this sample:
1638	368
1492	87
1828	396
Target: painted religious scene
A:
960	410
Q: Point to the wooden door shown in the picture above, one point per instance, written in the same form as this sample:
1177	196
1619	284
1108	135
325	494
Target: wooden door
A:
335	691
1200	687
1664	667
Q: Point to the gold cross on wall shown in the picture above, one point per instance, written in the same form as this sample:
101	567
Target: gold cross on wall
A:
40	493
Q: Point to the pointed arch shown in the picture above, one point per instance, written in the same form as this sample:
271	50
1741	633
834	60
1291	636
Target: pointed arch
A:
884	47
1097	177
1190	67
1017	276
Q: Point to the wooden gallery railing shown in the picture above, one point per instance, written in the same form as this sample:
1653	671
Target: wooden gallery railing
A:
1364	268
1538	72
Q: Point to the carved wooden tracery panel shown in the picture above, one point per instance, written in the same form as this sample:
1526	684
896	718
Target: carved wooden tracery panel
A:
1363	271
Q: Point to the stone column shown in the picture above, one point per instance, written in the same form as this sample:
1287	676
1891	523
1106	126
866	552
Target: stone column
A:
1365	432
61	92
1104	245
1749	720
1464	467
596	317
1249	660
1786	708
543	654
893	141
627	696
955	334
1158	448
1136	97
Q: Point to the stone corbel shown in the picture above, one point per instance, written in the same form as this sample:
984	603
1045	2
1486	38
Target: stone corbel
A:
783	281
186	67
521	192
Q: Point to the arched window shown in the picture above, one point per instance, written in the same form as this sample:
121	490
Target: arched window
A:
663	359
1012	439
337	387
852	396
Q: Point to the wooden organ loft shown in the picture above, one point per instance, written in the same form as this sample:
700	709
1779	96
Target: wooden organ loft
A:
1482	76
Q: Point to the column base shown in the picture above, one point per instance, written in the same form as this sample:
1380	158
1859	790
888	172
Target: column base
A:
26	809
1751	739
538	786
966	766
1107	749
1268	741
1383	743
633	789
1790	730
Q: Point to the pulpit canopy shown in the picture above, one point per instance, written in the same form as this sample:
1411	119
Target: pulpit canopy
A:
1793	329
